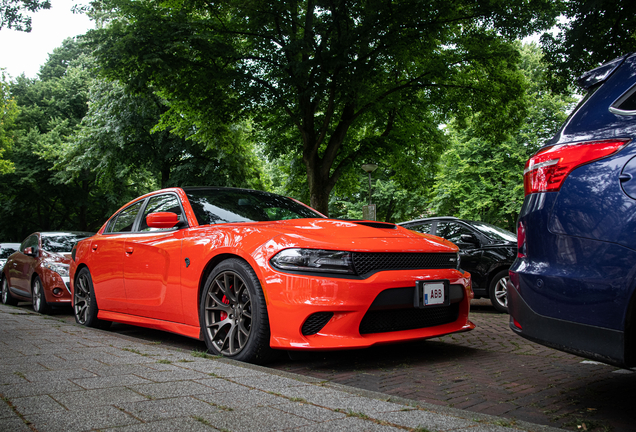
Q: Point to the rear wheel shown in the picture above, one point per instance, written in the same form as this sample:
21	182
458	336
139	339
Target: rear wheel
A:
7	298
498	291
40	304
84	301
233	314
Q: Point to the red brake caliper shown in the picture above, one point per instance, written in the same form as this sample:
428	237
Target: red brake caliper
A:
225	300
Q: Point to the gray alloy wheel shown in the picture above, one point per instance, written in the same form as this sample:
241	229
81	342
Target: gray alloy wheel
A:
84	301
37	294
7	298
233	314
498	291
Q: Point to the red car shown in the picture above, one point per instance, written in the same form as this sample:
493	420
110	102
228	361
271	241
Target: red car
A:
251	272
38	271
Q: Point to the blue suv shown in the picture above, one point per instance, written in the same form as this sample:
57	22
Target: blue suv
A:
572	284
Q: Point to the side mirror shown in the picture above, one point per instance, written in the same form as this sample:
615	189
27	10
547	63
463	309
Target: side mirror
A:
469	238
29	251
162	220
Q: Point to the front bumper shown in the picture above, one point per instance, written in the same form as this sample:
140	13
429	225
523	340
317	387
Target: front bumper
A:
361	313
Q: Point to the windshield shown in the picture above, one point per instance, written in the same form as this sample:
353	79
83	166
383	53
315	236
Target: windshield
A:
62	242
494	232
214	206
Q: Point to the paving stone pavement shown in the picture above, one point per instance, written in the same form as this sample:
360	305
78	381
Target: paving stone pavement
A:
58	376
489	370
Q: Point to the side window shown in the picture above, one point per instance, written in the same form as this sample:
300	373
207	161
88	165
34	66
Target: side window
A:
31	241
451	231
424	228
126	218
160	203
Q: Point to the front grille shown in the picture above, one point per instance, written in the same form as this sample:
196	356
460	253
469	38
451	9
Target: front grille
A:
369	262
382	321
316	322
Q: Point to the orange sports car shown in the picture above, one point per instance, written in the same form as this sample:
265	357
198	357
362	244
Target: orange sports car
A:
251	272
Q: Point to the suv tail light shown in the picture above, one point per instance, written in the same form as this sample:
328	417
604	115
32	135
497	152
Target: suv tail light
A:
546	170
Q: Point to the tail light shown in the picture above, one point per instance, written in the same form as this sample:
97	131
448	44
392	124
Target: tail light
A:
522	248
549	167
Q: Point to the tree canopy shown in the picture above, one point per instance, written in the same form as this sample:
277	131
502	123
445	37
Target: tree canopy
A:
590	34
483	179
336	84
12	13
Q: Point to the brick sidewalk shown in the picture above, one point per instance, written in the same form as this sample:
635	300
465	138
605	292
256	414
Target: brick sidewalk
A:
492	371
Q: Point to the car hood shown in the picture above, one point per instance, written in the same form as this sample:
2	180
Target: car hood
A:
360	236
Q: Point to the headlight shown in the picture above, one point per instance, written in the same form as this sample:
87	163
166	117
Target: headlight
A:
59	268
313	260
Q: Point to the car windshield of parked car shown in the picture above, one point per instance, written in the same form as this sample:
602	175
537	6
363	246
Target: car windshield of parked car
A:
214	206
494	232
61	242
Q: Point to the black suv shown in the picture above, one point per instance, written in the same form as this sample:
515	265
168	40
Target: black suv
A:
486	252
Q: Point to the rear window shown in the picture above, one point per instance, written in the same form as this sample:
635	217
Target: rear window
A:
214	206
626	103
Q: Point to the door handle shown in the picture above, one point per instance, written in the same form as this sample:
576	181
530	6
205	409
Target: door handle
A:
129	249
94	247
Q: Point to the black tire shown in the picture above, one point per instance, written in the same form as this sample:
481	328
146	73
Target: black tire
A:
7	298
233	314
498	291
84	301
38	298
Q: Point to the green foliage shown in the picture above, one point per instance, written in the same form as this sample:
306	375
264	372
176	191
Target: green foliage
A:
330	83
591	33
483	179
8	114
11	13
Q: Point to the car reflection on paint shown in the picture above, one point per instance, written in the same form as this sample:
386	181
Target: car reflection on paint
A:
251	272
39	271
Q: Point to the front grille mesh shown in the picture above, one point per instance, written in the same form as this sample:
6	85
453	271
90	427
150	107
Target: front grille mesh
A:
315	322
382	321
369	262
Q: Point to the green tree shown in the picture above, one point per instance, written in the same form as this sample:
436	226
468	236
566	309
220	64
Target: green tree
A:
8	114
118	140
483	179
50	110
12	16
330	83
591	33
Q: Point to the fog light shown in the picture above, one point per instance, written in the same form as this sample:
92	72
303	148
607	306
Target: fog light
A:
57	291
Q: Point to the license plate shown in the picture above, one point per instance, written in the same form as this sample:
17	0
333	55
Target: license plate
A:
431	293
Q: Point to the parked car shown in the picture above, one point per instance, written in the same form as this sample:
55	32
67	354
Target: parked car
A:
38	271
572	284
6	250
250	271
486	252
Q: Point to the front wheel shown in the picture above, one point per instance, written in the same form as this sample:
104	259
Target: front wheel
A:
40	304
84	301
498	291
7	298
233	314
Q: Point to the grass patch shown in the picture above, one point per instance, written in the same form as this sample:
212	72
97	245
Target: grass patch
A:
135	351
164	361
203	354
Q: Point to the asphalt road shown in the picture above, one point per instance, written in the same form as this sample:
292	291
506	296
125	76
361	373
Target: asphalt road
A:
489	370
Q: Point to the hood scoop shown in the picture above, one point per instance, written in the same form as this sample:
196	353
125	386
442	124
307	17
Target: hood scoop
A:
383	225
